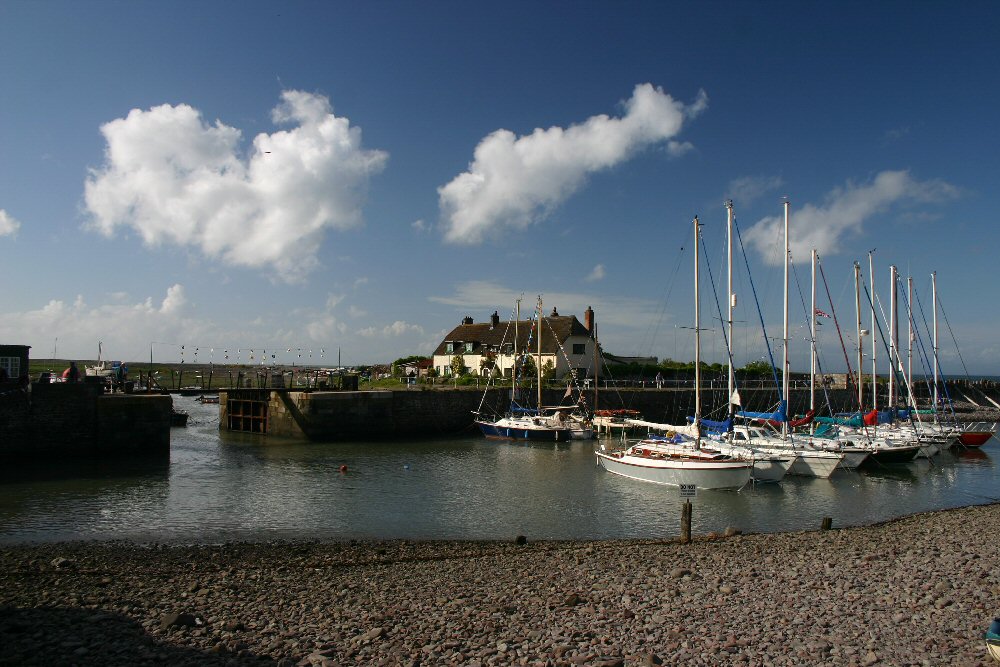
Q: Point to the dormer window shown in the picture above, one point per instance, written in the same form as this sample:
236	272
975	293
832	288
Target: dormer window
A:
449	347
468	347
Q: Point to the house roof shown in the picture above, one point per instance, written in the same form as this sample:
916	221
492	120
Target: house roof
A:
484	335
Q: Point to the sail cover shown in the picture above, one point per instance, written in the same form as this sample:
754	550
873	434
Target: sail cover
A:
795	422
855	421
725	426
687	429
778	415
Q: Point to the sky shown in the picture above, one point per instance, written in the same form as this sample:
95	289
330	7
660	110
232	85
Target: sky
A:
334	182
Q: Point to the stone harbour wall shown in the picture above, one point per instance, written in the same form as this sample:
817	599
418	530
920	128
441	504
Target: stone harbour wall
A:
425	412
81	420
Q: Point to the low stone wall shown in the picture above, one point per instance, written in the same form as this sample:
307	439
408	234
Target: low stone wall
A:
425	412
81	420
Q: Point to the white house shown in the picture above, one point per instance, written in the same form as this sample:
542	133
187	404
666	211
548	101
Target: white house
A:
565	343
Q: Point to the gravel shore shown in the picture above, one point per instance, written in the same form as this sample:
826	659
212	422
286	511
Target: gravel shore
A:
916	591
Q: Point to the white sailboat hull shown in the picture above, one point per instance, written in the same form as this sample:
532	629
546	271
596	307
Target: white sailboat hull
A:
816	464
702	474
772	468
853	458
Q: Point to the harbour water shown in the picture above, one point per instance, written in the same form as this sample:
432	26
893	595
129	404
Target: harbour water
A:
219	487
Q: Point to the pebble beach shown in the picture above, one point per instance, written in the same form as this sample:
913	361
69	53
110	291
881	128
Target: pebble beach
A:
920	590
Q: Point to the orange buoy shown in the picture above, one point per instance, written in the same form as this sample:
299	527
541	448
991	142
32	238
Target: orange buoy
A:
343	468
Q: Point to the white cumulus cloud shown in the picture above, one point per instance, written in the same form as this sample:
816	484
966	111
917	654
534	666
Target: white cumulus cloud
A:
8	225
126	327
842	215
394	330
173	178
515	181
596	274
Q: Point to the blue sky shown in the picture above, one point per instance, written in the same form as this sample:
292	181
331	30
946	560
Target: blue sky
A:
358	177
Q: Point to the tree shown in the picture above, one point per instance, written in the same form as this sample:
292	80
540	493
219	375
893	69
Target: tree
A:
527	367
759	367
488	363
548	370
458	364
397	366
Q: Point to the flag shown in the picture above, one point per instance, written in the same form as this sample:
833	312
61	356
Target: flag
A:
569	391
735	398
821	313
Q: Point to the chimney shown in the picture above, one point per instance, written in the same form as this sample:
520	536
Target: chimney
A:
494	320
467	320
588	319
555	313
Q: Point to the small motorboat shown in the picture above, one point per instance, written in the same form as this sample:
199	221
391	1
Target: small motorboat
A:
993	639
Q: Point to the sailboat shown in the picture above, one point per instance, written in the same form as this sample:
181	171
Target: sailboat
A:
522	423
972	435
767	466
883	450
678	457
809	460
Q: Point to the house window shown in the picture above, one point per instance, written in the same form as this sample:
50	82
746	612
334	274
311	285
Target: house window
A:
579	348
12	365
449	347
468	347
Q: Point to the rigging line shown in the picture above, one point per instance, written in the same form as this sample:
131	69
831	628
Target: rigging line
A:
774	370
652	331
926	359
503	340
851	380
572	371
892	369
921	352
944	385
953	340
725	335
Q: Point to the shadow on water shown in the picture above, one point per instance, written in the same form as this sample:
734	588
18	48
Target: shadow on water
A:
72	633
898	472
972	455
74	468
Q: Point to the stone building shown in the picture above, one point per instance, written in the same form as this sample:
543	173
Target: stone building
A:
487	348
14	361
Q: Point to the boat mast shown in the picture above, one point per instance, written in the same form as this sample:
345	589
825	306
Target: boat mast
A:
871	277
697	341
731	385
893	337
909	331
857	310
935	334
812	344
784	335
538	366
597	366
513	370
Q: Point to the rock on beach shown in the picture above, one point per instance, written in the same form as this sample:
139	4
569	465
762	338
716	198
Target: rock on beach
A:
919	590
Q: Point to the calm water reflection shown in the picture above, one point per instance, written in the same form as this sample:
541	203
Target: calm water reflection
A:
221	487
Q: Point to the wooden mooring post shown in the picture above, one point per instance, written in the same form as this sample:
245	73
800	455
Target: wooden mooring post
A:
686	522
827	523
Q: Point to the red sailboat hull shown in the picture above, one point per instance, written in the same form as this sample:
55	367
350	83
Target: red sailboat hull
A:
974	439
